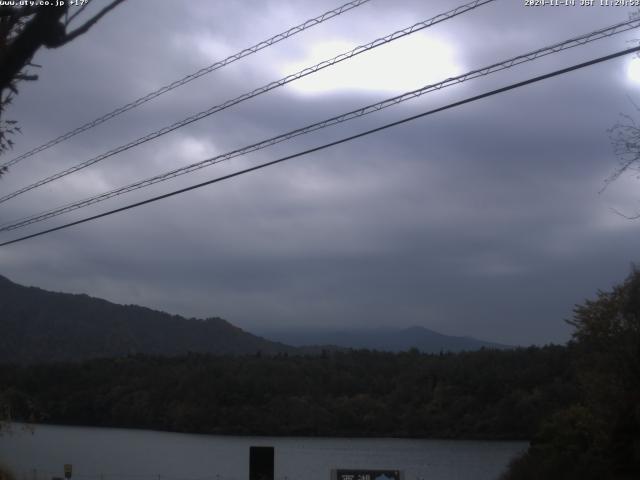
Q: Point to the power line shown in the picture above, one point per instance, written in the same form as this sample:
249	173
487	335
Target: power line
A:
331	144
246	96
188	78
530	56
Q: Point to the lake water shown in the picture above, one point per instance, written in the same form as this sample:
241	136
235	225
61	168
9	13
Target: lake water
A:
110	454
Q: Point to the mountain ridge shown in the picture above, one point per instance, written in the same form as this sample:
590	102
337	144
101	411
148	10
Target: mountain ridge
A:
380	338
37	325
40	326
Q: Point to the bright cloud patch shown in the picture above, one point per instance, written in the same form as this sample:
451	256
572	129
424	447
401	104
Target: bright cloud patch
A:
633	70
405	64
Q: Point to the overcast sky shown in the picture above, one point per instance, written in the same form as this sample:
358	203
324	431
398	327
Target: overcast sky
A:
484	220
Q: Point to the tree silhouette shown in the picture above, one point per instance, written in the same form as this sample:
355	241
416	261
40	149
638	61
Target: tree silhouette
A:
23	31
599	436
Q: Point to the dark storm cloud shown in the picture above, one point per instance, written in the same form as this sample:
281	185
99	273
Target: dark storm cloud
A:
484	220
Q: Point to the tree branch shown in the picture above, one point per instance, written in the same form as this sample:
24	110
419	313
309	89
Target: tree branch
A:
89	23
78	12
26	77
628	217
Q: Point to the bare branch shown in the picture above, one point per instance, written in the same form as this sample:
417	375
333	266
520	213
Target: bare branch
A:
78	12
625	140
628	217
24	30
91	22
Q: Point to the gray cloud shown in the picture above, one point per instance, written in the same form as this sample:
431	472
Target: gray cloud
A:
484	220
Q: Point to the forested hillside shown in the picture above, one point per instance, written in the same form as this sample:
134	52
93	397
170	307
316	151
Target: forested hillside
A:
484	394
41	326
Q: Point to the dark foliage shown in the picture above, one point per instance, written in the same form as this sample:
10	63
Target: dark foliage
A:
598	437
484	394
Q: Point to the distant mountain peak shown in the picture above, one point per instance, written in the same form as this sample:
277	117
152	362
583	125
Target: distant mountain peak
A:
393	339
419	329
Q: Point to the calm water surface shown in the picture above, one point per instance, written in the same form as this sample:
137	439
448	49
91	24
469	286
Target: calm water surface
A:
110	454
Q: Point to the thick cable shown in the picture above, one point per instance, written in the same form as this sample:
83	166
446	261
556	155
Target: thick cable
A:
511	62
254	93
188	78
331	144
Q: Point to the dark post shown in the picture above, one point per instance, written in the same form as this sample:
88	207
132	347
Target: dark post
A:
261	463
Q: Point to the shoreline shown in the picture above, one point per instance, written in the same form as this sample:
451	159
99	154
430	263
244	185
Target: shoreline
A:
34	426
